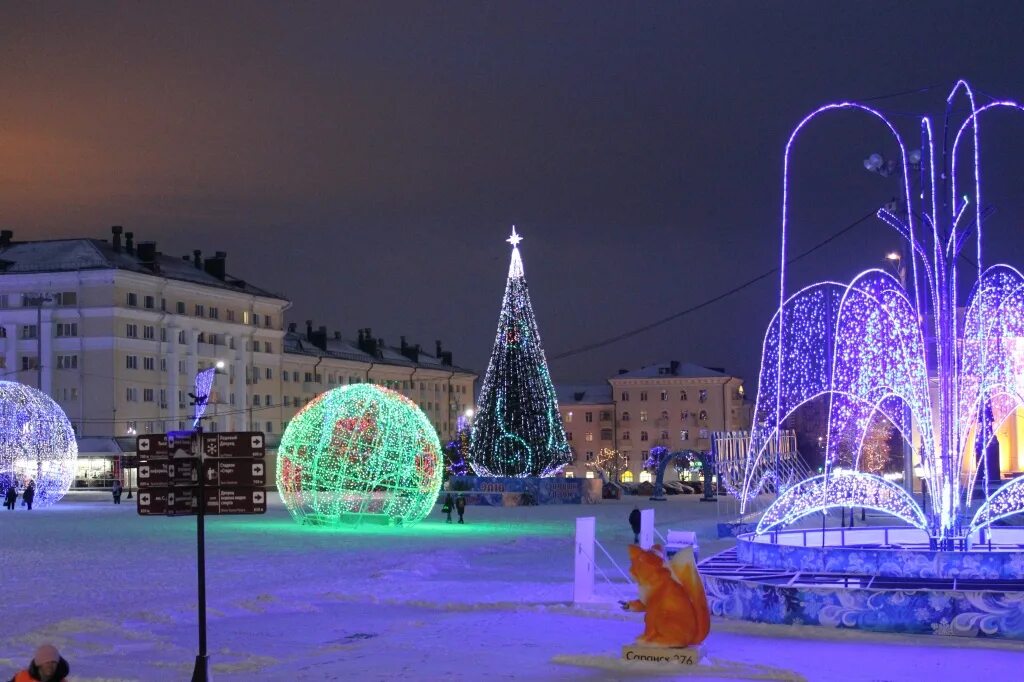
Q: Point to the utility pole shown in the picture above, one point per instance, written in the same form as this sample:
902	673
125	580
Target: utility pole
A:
38	300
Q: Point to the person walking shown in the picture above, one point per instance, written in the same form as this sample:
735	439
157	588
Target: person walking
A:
115	490
46	666
11	495
634	523
29	494
447	507
460	506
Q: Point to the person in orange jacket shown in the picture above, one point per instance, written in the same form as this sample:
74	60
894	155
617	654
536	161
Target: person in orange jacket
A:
46	666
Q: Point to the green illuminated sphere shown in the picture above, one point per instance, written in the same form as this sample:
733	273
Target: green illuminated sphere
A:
359	452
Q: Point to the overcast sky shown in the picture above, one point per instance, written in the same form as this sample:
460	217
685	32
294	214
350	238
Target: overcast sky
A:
368	159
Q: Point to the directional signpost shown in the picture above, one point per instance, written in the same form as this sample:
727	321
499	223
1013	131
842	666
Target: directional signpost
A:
191	473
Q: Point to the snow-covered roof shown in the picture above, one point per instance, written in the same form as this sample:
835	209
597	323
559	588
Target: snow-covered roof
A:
68	255
584	394
686	370
345	349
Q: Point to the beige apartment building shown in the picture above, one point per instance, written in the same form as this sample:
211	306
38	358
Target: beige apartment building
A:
671	404
115	333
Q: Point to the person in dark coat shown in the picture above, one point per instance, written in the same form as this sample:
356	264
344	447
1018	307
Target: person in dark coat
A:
115	490
46	666
29	494
460	506
634	523
447	507
11	495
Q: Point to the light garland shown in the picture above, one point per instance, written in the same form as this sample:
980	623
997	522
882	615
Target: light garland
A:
518	430
863	345
841	489
359	451
37	443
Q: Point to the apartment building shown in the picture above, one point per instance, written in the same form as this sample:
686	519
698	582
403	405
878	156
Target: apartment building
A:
671	404
115	332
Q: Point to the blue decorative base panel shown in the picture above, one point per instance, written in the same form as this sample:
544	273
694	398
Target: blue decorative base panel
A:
927	606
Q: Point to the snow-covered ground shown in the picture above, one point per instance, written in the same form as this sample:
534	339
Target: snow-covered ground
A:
489	600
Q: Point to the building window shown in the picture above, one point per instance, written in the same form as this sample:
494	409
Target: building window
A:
230	315
625	416
643	415
148	364
308	377
643	435
255	319
267	400
684	435
201	337
625	435
256	400
29	362
267	348
643	396
285	376
606	434
70	394
131	394
200	310
625	396
664	435
131	361
5	301
568	418
568	435
132	331
67	329
295	376
664	414
181	336
703	417
214	313
588	417
270	427
180	307
29	331
626	477
645	476
270	373
664	395
703	396
682	395
287	401
66	299
569	474
147	395
245	317
67	362
589	437
267	321
133	300
149	302
148	332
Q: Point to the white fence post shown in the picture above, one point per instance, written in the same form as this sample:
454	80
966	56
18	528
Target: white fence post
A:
646	528
583	585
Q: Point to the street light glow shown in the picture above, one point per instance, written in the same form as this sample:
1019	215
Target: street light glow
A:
220	364
892	255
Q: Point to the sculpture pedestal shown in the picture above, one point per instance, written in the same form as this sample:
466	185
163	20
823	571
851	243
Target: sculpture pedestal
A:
664	655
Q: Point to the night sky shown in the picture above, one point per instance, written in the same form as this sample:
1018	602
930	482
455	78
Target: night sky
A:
369	159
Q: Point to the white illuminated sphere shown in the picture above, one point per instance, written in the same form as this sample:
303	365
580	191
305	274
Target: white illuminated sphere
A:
37	443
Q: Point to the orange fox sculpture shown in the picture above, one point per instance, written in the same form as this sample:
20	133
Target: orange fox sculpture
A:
671	597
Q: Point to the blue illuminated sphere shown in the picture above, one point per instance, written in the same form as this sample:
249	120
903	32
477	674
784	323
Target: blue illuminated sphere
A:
37	443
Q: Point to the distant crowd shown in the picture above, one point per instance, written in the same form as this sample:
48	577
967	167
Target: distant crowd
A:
9	484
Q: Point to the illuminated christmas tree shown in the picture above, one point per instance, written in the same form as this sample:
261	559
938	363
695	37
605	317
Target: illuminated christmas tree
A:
518	430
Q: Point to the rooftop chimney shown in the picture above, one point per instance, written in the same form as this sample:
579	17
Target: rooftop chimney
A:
337	336
215	265
309	329
115	241
129	245
673	367
367	343
197	259
438	343
147	254
411	352
5	238
291	327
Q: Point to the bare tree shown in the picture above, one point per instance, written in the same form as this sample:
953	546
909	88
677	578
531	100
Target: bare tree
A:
610	462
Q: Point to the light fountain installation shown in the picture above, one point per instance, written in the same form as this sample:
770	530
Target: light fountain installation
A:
945	373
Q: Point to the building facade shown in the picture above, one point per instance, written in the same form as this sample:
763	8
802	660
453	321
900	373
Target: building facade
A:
115	333
671	404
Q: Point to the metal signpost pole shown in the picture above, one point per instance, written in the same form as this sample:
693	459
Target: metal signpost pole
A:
201	671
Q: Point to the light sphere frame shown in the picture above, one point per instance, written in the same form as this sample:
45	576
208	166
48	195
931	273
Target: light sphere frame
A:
359	453
37	443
